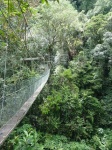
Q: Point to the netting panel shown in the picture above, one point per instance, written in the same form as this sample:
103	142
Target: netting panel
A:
16	95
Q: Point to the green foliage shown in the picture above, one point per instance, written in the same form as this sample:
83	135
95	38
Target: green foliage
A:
83	4
26	138
107	104
102	55
12	37
72	107
43	1
95	29
56	142
85	73
109	22
11	8
100	7
24	73
57	26
103	140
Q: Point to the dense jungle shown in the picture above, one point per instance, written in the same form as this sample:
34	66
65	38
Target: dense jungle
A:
74	110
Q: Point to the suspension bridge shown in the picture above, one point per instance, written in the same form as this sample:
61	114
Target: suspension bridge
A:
16	97
17	102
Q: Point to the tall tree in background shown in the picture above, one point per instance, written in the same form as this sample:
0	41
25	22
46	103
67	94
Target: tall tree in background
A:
58	27
83	4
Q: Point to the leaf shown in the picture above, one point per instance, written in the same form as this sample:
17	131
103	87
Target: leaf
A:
26	133
46	1
43	1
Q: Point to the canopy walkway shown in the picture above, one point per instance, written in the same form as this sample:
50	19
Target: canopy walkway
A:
18	98
17	101
16	58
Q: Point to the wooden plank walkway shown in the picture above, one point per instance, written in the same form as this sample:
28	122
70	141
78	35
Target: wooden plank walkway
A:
6	129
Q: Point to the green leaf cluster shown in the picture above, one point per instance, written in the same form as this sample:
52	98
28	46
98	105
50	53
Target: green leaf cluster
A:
26	138
72	107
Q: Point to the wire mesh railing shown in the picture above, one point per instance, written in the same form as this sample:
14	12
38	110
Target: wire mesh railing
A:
16	95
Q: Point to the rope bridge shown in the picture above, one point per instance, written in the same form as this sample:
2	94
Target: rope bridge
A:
16	61
17	101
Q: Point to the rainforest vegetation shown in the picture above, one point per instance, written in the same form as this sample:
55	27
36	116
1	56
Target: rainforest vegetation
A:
74	110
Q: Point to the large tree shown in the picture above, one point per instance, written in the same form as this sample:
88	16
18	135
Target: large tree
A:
58	27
